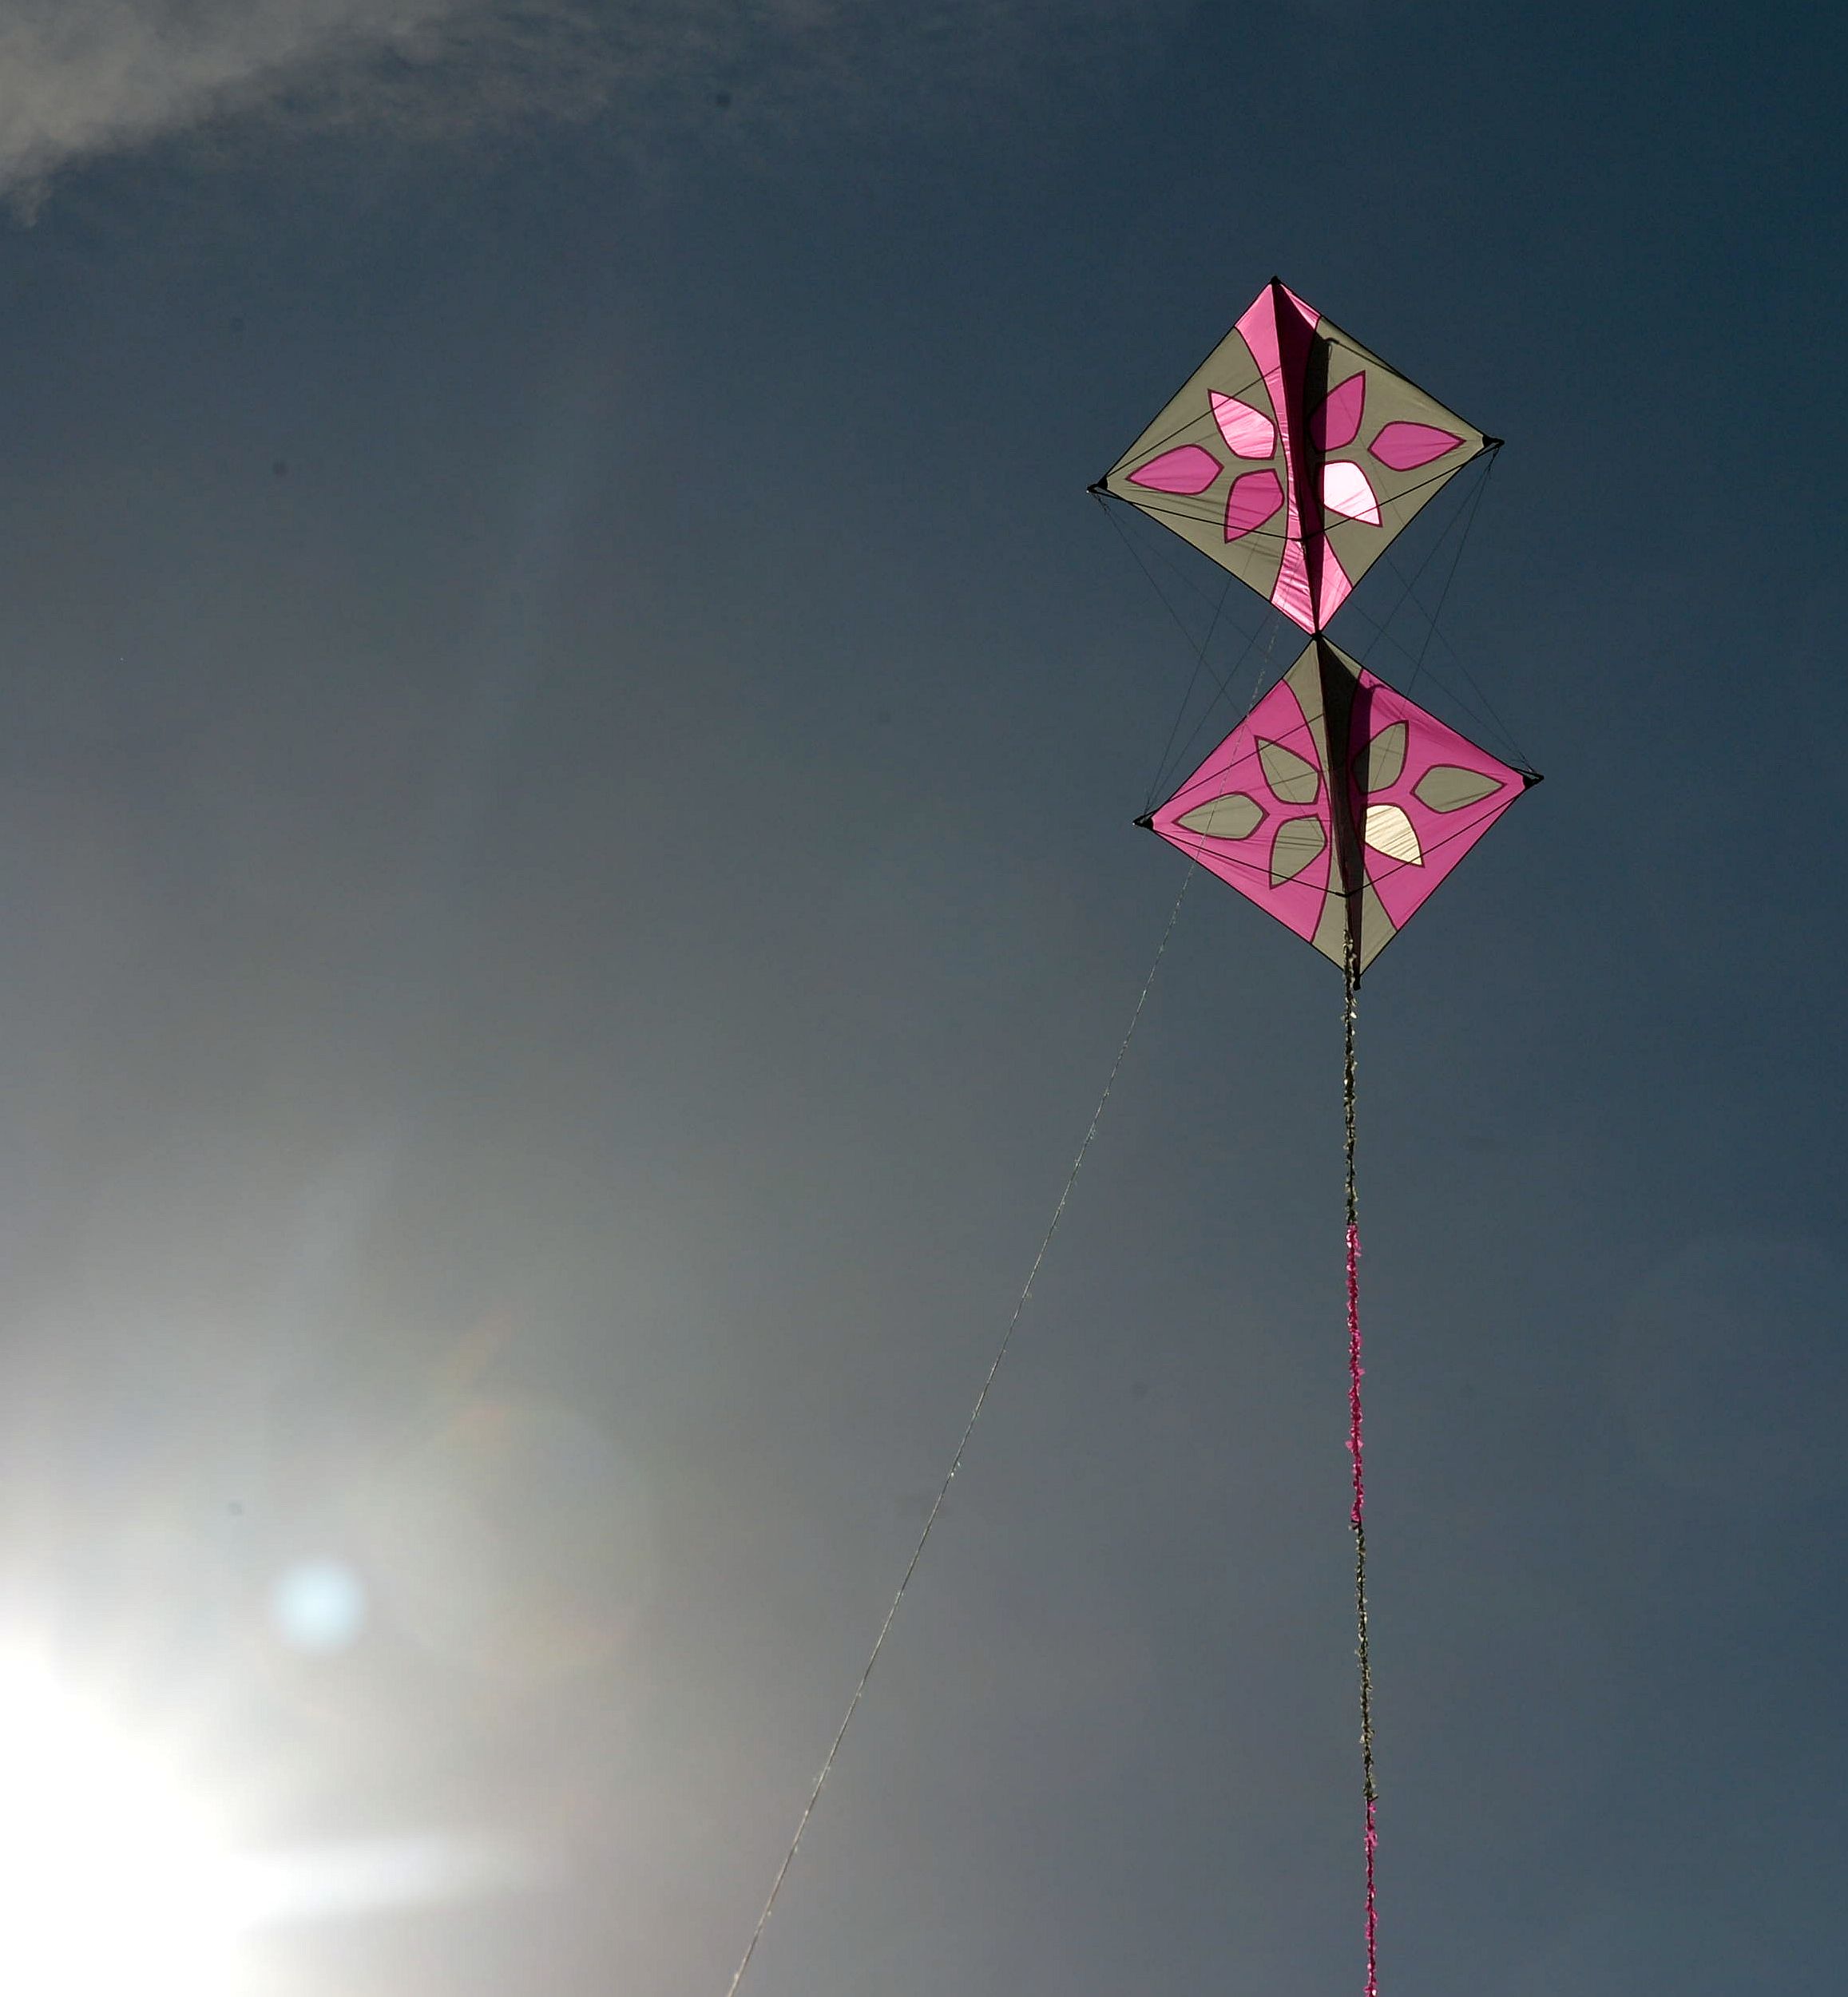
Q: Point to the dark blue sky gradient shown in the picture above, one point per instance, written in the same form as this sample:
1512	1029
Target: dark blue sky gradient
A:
570	737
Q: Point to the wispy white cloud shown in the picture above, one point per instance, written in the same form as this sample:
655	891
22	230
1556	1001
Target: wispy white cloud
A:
81	78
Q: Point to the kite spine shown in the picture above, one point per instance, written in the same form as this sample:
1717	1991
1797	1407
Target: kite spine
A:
1357	1514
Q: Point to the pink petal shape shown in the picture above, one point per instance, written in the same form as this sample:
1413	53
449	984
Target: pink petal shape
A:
1189	470
1344	491
1337	423
1254	499
1405	446
1248	432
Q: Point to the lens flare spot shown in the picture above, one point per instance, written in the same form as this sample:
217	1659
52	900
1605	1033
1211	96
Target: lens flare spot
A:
317	1606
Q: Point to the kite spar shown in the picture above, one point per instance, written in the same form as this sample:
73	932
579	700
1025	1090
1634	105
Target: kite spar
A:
1291	458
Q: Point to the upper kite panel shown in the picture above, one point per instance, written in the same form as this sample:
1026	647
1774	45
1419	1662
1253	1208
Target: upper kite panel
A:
1293	456
1335	799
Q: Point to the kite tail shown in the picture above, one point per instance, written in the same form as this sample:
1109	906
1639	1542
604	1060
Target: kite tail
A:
1357	1514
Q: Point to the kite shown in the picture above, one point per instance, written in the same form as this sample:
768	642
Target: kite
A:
1291	458
1338	805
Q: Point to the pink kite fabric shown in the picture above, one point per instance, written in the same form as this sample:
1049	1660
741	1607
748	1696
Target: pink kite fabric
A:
1262	812
1336	424
1408	447
1294	896
1287	387
1254	499
1278	327
1188	470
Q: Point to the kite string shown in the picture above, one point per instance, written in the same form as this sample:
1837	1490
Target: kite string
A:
1357	1514
962	1447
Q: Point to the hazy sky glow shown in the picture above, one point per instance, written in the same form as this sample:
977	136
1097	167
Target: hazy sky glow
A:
564	817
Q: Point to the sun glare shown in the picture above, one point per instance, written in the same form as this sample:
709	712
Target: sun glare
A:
110	1880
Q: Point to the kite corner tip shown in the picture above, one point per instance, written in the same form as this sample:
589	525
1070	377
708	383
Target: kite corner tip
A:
1530	779
1099	488
1147	822
1493	443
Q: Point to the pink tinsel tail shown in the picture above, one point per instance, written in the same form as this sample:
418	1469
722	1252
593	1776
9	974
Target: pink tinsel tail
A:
1354	1370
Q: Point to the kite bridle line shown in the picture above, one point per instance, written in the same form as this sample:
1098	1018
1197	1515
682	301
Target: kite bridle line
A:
1475	702
1272	626
1267	630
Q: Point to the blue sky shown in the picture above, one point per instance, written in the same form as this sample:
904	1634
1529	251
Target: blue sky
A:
571	739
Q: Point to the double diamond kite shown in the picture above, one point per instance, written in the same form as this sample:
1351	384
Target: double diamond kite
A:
1292	456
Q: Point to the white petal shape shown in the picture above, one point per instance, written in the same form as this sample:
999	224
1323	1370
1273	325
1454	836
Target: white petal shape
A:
1389	831
1344	491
